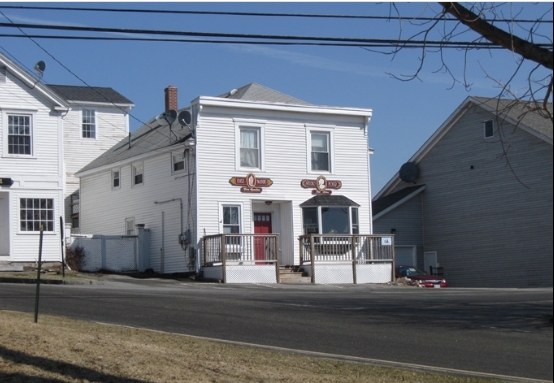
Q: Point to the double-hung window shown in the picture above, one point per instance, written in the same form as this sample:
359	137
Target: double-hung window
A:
130	226
488	128
19	134
177	162
138	170
320	147
320	152
116	179
249	139
34	212
250	148
88	123
232	223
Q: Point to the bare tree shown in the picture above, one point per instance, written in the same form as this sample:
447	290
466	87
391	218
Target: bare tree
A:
452	21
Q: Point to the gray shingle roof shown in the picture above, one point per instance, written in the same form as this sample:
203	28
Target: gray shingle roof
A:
383	203
529	114
329	200
151	137
260	93
143	140
89	94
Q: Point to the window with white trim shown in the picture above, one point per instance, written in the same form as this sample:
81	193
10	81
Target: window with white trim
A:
320	151
116	179
20	134
232	223
138	173
177	162
130	226
249	148
249	144
88	123
34	212
488	128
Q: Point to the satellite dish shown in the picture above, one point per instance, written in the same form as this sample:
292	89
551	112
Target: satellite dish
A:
409	172
40	67
184	118
170	116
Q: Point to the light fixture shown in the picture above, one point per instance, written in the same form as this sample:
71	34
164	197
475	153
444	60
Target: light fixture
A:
393	231
268	202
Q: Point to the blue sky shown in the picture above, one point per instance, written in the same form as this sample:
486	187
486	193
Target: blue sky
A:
405	114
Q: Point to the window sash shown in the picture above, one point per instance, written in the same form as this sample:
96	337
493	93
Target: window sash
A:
34	212
249	148
19	134
232	223
129	226
178	160
320	152
116	179
488	128
137	174
89	124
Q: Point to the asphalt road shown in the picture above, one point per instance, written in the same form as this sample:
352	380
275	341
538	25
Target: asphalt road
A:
503	333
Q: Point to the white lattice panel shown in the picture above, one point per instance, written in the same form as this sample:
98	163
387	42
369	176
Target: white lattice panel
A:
120	254
374	273
251	274
334	273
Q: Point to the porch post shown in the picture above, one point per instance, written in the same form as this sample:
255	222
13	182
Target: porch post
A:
223	259
277	262
354	275
312	250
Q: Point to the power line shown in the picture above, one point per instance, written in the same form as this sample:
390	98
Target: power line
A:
261	14
298	39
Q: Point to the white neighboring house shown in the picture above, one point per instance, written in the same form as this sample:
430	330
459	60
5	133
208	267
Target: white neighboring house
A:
97	118
249	161
39	142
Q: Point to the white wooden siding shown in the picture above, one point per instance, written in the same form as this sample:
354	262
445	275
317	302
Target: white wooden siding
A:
285	163
36	176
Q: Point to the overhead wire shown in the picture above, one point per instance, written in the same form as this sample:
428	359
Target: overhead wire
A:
86	84
257	14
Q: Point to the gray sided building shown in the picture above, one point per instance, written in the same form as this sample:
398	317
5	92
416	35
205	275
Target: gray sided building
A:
476	198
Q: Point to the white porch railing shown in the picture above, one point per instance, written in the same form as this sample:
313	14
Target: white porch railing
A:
370	258
241	258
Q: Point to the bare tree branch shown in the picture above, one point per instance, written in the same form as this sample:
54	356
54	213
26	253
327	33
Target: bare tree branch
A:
526	49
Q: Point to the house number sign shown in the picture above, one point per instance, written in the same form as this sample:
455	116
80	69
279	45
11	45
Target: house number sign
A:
321	185
250	183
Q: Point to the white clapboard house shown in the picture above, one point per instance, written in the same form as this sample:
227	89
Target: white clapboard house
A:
47	132
235	186
474	203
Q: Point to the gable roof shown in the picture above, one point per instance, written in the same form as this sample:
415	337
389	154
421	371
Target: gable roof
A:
90	94
260	93
528	116
32	82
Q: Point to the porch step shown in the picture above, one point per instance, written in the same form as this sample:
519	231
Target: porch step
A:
293	274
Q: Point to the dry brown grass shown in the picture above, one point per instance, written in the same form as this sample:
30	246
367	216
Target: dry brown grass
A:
62	350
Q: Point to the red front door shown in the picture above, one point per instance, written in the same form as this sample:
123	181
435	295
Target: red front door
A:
262	225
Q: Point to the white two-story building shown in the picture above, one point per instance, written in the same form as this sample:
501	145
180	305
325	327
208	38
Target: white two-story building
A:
47	132
244	174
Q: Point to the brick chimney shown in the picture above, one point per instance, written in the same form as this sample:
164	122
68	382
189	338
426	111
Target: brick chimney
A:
171	98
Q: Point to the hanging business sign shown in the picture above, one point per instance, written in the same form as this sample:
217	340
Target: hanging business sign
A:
251	183
321	185
6	182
